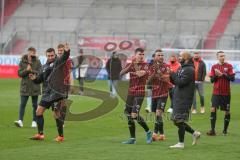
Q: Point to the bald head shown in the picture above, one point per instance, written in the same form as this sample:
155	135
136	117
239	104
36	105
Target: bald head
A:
186	56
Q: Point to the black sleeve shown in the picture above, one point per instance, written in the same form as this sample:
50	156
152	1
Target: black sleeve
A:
229	77
213	79
204	71
120	65
108	66
186	77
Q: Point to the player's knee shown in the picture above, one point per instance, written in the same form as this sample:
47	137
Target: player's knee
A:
134	115
213	109
159	112
39	111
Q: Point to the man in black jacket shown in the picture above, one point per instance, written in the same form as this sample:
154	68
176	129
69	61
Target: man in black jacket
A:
200	73
113	67
55	91
183	98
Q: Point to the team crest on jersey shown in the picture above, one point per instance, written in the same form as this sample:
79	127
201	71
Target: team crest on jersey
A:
225	69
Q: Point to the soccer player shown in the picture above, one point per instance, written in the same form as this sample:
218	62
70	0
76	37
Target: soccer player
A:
68	79
138	70
200	73
52	74
159	80
221	74
183	98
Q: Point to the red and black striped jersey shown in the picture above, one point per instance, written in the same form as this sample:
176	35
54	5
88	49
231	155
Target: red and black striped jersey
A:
67	71
160	86
137	84
221	84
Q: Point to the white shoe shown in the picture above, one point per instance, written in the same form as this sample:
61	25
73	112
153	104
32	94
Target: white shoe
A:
194	111
34	124
148	109
196	136
178	146
18	123
112	95
202	110
170	110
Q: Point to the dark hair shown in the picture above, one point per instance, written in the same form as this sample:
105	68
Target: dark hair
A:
153	55
32	49
219	52
50	50
60	46
80	50
139	50
158	50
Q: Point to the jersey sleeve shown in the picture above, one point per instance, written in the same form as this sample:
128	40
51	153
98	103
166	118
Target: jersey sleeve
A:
212	72
230	70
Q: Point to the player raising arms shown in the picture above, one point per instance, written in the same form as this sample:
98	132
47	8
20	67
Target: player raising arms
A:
138	70
52	74
159	80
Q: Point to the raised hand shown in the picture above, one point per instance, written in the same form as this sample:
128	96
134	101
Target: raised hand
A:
66	47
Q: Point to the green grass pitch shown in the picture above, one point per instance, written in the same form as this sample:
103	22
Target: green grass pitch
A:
100	139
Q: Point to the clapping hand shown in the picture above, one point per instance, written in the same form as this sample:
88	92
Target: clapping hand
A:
32	76
29	68
218	73
140	73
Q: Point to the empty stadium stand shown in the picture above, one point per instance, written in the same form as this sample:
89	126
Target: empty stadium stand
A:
162	23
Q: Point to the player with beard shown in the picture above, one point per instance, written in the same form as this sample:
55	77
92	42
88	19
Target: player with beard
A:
159	80
138	70
52	77
183	98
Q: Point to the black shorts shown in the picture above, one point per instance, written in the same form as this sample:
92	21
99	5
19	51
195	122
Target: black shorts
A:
133	104
46	104
221	101
51	104
159	103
